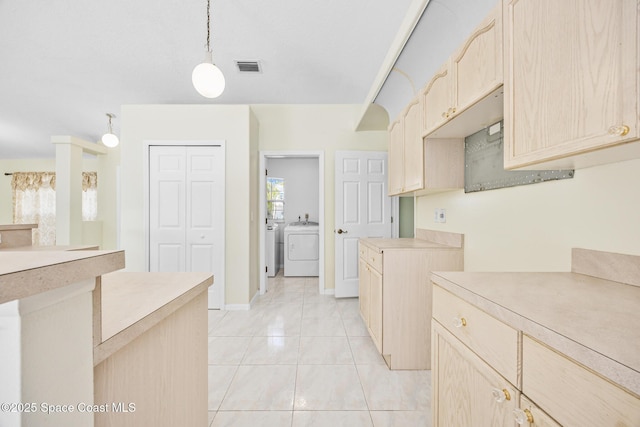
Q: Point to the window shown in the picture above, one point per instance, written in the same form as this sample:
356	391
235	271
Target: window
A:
34	202
275	199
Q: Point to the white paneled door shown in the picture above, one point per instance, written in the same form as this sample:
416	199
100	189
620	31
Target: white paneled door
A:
186	212
362	209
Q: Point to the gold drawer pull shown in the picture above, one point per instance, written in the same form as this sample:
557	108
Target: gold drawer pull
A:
501	395
523	416
620	130
459	322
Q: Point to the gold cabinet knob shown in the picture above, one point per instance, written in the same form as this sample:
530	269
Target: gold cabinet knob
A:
523	416
501	395
459	322
620	130
453	110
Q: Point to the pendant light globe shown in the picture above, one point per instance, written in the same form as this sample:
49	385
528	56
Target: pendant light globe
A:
208	79
110	140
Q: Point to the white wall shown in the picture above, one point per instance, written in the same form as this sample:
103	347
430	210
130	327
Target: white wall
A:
301	186
534	227
327	128
196	122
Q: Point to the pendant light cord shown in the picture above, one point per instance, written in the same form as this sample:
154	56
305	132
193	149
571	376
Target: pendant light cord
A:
208	24
110	125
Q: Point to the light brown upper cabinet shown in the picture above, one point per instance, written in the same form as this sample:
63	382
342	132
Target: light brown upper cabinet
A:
406	151
396	157
472	73
438	100
572	82
418	165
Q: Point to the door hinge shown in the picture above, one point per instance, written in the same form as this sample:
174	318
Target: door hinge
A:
391	220
266	269
266	221
266	172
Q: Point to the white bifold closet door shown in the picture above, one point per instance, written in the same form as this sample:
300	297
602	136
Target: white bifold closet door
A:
186	212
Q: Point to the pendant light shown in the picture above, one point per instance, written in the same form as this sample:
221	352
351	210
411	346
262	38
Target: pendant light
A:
110	139
206	77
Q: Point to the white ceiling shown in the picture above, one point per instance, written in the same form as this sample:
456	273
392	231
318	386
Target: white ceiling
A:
443	27
65	63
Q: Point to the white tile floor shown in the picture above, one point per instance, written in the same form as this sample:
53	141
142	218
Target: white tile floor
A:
298	358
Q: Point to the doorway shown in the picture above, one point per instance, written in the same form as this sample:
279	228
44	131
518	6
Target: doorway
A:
185	211
312	163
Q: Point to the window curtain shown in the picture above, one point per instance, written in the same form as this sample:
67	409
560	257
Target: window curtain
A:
34	202
89	196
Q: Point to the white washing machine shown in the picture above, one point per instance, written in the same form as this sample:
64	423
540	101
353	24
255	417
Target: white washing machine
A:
301	249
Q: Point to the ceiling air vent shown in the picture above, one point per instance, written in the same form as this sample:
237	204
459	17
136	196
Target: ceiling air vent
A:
248	66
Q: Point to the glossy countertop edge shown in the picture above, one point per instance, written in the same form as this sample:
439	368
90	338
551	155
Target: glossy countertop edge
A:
603	365
51	248
137	289
24	274
404	243
11	227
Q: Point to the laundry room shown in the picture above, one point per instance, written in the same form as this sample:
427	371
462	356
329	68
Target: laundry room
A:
292	215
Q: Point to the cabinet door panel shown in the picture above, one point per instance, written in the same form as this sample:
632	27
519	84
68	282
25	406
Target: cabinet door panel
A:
396	157
477	66
573	76
464	387
375	309
437	99
413	148
363	290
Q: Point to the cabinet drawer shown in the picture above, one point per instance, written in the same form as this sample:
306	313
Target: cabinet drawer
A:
495	342
375	260
363	251
572	394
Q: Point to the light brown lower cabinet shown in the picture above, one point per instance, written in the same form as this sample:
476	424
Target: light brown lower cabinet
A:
395	299
472	354
467	391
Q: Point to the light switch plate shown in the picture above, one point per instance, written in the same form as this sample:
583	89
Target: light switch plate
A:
442	215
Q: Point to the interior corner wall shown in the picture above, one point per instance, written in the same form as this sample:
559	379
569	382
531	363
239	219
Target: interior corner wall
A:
191	122
254	240
327	128
534	227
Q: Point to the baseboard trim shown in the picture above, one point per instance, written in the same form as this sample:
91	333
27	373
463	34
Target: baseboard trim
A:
331	291
237	307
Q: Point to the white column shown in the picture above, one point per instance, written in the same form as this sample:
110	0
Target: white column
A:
69	152
46	362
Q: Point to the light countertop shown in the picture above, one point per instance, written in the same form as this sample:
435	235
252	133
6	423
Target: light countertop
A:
404	243
592	320
131	303
52	248
11	227
425	239
23	274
